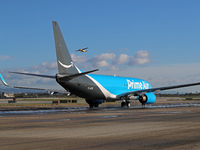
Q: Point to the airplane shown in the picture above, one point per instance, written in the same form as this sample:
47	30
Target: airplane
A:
95	88
82	50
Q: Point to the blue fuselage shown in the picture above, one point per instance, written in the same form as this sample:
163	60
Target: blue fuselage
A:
95	87
118	85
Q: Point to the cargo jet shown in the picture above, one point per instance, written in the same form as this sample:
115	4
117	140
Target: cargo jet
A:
98	88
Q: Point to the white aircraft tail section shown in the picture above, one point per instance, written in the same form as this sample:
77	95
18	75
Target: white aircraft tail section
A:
64	60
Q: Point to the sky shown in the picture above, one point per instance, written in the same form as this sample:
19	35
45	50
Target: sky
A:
155	40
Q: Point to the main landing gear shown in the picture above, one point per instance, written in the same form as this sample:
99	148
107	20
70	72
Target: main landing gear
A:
125	103
93	104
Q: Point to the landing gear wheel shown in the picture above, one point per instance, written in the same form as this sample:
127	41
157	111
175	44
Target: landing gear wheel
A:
123	104
96	104
91	105
128	104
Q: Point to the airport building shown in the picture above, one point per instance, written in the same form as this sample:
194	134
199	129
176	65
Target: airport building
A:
5	95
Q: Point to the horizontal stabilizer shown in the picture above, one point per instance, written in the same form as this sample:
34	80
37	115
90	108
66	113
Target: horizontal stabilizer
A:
74	75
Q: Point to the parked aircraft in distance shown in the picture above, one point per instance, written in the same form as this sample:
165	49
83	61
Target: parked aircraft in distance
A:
98	88
82	50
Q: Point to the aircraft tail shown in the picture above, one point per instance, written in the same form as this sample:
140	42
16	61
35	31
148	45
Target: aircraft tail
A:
65	64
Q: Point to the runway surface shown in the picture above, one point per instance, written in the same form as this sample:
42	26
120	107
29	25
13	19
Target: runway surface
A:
161	126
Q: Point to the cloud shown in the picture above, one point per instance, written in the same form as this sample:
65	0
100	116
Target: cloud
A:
105	56
112	61
4	57
101	60
159	75
141	57
163	75
23	80
102	63
49	66
44	67
78	59
114	68
121	59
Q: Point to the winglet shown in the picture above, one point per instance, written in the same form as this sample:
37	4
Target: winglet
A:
3	81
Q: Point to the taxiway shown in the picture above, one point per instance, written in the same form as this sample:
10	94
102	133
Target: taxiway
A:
108	127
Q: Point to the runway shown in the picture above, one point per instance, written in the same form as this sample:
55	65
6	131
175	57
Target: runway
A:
109	127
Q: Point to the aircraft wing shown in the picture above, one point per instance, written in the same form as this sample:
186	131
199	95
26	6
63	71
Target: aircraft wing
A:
38	75
156	90
52	91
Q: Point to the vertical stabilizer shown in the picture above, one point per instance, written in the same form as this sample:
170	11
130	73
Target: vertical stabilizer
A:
64	60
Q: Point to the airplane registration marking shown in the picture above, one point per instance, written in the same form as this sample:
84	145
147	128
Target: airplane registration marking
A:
90	88
137	85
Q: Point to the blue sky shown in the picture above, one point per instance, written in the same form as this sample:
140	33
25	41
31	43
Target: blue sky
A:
157	40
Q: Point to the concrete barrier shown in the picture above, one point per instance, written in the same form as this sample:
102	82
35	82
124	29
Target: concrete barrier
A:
63	101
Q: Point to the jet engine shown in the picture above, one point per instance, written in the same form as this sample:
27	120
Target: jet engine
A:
147	98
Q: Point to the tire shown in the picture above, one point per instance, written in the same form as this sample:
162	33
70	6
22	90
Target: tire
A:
128	104
123	104
96	104
91	105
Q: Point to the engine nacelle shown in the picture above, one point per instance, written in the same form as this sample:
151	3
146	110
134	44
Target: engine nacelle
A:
147	98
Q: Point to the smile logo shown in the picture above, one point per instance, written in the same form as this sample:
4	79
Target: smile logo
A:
66	66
